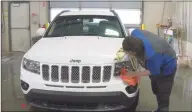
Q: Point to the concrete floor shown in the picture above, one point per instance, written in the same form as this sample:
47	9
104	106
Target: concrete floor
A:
12	98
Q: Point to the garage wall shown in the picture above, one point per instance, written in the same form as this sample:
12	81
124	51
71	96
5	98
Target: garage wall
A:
128	4
4	26
153	11
182	19
119	6
153	14
181	13
40	9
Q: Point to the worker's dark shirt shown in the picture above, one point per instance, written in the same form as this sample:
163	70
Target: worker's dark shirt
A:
160	57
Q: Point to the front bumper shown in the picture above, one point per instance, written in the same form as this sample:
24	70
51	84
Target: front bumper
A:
80	101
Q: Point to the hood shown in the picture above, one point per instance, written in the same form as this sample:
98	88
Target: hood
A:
83	49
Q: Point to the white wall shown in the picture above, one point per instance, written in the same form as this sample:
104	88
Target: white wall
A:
5	33
40	8
182	18
152	15
181	13
153	12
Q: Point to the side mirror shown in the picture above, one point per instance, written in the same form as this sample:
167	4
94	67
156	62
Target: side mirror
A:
40	32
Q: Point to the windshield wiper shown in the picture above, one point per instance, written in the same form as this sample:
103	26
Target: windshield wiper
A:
89	34
54	35
109	36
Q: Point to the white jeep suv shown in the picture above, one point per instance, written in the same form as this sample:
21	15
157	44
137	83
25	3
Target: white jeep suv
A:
75	66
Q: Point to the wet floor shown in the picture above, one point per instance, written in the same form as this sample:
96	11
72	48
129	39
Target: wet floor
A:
12	97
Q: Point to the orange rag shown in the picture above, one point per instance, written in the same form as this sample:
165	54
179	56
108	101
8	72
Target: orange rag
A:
128	79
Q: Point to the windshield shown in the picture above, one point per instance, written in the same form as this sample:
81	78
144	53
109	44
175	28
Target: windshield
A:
106	26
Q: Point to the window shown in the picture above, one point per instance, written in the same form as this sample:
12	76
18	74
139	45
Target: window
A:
55	11
84	25
129	16
94	9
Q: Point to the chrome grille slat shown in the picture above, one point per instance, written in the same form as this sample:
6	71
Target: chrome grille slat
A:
69	74
59	73
80	73
91	74
76	74
102	69
49	72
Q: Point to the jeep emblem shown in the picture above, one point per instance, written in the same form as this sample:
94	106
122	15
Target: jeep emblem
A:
75	61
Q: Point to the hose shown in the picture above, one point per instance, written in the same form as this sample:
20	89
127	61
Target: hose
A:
121	54
134	62
135	66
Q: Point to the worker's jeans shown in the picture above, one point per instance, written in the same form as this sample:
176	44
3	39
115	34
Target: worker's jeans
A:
161	87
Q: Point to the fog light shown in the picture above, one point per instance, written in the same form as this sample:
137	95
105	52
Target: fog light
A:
24	85
131	89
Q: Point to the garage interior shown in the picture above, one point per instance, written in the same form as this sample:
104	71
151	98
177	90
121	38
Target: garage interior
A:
20	21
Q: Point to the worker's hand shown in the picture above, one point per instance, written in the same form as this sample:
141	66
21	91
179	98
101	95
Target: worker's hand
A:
125	73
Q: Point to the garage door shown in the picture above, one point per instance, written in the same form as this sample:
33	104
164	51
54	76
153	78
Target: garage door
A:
20	37
130	12
127	4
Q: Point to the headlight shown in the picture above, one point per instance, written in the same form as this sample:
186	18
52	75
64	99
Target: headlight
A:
32	66
120	65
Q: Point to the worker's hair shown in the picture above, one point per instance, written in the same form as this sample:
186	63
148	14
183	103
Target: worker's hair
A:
133	44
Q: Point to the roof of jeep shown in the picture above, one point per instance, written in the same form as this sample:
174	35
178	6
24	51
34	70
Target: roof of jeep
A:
100	13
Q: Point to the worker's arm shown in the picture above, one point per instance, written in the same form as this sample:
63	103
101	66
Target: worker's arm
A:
153	66
133	74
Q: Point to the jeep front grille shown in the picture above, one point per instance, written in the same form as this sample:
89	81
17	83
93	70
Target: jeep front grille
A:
76	74
86	74
55	73
107	73
65	74
45	71
96	74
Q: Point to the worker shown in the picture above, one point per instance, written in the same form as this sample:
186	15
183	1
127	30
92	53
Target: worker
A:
158	58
